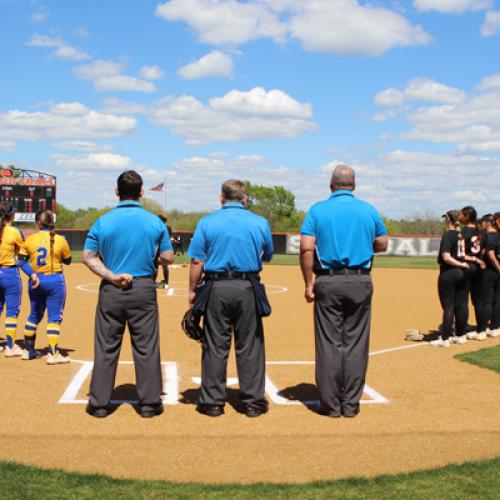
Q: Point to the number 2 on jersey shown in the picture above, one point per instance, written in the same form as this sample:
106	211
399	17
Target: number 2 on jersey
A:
41	258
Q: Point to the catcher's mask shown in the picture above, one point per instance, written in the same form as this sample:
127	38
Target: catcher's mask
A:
191	326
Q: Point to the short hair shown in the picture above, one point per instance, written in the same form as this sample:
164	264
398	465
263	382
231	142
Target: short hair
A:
162	218
470	213
129	185
233	190
343	176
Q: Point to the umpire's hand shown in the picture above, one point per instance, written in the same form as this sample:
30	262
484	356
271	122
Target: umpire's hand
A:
122	280
309	293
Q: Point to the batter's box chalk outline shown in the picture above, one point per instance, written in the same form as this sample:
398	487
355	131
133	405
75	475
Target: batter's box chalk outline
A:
274	394
170	387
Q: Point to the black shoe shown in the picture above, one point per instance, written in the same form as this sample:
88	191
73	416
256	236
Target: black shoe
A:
96	411
327	413
350	412
151	411
254	411
210	410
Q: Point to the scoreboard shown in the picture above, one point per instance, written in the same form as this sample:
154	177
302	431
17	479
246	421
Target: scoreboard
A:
29	191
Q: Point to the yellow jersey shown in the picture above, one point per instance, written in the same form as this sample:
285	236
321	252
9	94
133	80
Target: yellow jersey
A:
11	245
37	248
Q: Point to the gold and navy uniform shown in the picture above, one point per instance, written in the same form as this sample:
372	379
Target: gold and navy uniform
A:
10	281
41	259
50	295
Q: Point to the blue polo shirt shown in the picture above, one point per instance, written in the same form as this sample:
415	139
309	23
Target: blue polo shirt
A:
128	238
232	239
344	228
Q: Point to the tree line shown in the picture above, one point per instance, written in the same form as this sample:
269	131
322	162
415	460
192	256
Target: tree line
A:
276	204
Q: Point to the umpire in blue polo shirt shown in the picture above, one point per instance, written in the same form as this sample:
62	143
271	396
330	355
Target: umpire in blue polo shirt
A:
339	238
229	246
123	247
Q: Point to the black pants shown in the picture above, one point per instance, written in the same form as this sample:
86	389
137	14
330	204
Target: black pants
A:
342	313
486	299
453	295
495	322
472	289
231	307
116	308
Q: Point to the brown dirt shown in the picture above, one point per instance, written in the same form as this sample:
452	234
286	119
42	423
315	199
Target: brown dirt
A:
440	410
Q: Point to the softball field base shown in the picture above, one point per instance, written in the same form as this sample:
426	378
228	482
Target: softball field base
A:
422	408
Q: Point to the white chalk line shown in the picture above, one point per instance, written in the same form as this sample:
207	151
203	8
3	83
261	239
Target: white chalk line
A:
171	385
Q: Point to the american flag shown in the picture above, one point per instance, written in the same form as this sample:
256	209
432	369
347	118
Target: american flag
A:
157	187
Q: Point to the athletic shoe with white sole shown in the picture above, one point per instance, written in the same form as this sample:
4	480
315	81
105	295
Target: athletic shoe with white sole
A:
461	340
493	333
471	335
481	336
29	355
57	359
440	343
15	350
1	348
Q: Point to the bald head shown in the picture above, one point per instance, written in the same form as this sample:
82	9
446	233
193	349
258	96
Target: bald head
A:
343	177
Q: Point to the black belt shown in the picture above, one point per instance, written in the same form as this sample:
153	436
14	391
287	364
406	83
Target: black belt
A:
7	267
344	271
230	275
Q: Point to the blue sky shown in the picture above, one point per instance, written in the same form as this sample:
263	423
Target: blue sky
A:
192	92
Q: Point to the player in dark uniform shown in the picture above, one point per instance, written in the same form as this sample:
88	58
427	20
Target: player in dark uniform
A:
491	276
472	252
166	272
451	283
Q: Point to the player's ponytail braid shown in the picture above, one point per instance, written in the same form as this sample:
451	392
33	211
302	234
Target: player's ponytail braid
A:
6	212
46	219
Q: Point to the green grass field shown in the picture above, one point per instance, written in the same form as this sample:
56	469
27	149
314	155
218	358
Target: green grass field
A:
382	261
479	480
485	358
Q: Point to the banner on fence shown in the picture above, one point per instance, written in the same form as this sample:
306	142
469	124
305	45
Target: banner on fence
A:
411	246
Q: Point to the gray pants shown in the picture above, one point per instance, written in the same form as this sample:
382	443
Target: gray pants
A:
231	306
342	331
137	307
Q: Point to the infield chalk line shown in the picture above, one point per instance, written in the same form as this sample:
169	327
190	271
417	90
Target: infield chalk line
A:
170	389
171	386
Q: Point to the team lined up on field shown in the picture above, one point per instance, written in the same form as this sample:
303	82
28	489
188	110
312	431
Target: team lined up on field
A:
469	260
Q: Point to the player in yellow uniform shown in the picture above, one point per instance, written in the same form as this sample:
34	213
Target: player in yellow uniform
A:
11	243
47	252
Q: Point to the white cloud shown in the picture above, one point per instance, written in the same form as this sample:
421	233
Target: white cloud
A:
84	146
62	49
97	69
452	6
491	24
116	106
63	120
106	76
215	64
151	73
41	15
346	27
331	26
420	89
8	146
490	82
123	83
237	116
227	22
95	161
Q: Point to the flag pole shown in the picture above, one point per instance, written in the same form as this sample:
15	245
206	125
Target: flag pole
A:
165	197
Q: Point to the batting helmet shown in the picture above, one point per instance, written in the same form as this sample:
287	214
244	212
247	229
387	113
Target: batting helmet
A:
191	326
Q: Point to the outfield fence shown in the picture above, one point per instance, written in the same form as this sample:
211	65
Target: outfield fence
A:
289	243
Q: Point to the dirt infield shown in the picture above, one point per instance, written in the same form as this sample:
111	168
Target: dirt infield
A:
426	409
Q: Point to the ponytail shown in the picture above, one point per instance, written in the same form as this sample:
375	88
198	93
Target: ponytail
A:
46	219
7	210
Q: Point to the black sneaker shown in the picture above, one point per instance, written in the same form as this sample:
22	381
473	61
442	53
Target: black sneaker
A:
327	413
254	411
210	410
151	411
97	412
